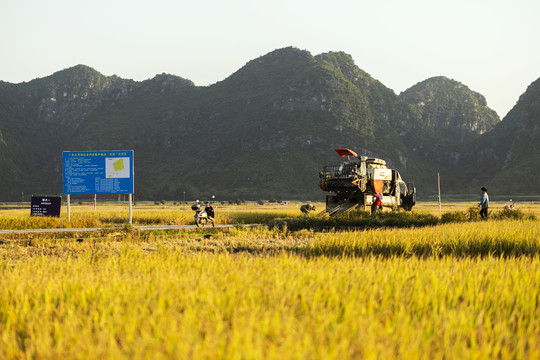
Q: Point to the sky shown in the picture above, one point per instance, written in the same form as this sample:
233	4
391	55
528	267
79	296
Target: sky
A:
491	46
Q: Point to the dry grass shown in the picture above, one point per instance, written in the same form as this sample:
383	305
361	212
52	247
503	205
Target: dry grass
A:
84	216
450	291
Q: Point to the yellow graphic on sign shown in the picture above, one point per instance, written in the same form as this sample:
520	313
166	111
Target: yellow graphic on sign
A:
116	168
118	165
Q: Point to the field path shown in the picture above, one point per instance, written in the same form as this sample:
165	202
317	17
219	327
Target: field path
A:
142	228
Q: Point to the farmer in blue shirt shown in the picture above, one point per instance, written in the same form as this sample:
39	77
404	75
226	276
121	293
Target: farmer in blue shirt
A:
484	203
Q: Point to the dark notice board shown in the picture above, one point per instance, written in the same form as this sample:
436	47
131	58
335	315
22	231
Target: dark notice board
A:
46	206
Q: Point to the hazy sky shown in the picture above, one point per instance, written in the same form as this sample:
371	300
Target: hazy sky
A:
492	46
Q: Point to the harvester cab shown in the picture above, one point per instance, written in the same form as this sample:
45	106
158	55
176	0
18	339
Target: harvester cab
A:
352	184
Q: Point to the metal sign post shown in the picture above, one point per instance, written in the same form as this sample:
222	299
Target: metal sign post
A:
130	209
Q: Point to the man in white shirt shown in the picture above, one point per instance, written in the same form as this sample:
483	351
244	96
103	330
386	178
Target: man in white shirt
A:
484	203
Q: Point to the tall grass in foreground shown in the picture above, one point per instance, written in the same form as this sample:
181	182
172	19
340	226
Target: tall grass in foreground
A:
489	238
454	291
161	304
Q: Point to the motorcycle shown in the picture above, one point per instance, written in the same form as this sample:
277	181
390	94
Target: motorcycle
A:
201	216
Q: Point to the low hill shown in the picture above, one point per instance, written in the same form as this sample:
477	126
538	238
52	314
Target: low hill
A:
451	108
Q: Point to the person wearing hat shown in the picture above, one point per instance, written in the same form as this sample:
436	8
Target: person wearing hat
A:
484	203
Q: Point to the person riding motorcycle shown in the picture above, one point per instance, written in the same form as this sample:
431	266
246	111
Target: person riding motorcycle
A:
203	215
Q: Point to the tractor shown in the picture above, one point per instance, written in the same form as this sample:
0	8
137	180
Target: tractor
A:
353	183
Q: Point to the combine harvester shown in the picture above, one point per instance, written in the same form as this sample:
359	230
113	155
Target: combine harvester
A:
351	185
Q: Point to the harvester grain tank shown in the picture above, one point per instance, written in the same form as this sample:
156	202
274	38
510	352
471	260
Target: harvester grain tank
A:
351	184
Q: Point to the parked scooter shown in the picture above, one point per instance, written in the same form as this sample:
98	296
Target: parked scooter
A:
201	216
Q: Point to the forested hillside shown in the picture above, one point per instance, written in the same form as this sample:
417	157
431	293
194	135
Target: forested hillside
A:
263	132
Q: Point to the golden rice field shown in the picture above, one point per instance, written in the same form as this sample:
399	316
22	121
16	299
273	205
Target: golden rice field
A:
467	290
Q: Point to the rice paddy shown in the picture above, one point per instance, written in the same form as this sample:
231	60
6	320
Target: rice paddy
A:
462	289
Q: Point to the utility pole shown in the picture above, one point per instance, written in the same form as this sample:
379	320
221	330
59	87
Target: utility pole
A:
184	197
439	183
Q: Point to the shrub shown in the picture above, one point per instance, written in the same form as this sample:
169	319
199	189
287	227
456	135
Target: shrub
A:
512	214
454	216
359	219
472	214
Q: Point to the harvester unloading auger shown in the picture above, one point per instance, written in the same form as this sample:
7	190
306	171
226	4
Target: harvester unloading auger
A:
352	184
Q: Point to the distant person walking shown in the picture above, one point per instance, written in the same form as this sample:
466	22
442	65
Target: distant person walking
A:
305	209
377	202
484	203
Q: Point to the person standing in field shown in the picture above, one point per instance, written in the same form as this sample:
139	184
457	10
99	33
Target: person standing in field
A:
377	202
484	203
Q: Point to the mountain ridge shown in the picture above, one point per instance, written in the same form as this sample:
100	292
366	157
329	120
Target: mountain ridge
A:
264	131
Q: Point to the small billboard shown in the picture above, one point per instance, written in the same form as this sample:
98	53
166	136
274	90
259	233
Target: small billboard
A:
45	206
98	172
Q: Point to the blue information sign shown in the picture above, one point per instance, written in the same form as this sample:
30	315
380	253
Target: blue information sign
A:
98	172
